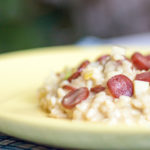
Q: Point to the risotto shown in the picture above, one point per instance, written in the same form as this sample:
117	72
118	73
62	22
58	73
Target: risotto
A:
112	89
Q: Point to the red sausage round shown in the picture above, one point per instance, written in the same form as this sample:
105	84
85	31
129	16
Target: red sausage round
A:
120	85
97	89
75	97
145	76
140	61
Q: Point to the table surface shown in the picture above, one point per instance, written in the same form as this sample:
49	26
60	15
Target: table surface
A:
11	143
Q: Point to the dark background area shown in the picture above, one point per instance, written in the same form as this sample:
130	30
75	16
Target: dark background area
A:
28	24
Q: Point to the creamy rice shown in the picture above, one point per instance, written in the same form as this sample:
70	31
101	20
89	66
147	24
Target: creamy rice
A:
100	106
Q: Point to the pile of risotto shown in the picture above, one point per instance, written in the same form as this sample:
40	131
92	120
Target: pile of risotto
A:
112	89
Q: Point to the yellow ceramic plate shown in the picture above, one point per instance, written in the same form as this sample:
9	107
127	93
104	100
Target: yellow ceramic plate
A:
21	74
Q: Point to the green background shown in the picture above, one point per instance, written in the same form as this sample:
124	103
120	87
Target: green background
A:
30	23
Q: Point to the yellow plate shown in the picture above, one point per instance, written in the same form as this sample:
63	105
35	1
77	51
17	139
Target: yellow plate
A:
22	73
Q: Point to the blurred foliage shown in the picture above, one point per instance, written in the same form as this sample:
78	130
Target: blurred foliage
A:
30	23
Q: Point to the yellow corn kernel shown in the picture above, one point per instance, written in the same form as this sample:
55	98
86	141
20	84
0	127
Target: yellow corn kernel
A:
87	75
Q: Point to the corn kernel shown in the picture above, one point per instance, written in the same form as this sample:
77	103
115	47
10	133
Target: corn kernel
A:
87	75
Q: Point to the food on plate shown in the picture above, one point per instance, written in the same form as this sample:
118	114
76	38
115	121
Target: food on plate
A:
112	89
